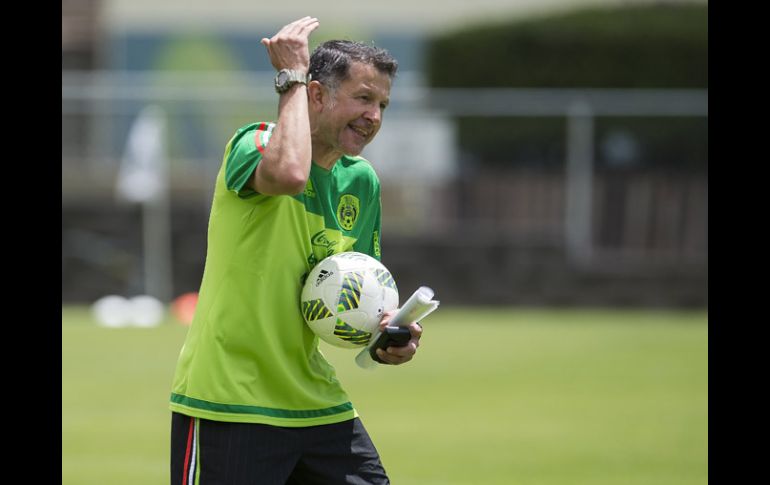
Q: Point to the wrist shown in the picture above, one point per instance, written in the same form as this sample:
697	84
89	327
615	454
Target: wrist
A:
285	79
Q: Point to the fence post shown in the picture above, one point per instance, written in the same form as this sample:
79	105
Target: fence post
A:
579	183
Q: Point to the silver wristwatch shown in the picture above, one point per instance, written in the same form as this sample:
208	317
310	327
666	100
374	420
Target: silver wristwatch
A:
286	78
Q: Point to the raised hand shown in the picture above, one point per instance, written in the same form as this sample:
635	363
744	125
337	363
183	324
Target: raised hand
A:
288	49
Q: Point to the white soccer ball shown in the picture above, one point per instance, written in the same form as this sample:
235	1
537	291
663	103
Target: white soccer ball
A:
344	297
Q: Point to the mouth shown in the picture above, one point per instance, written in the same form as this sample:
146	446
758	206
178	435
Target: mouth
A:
364	133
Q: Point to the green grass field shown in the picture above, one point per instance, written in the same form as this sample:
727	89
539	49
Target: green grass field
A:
494	396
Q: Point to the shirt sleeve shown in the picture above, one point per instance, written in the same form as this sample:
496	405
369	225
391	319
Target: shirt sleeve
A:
243	154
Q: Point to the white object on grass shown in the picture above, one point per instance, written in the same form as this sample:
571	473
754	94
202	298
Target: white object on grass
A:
146	311
115	311
112	311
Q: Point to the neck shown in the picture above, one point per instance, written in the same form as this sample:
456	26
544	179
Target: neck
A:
324	156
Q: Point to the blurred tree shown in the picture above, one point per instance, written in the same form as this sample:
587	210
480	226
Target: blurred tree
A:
196	133
635	46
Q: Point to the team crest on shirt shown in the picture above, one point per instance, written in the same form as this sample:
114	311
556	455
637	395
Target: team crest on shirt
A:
347	211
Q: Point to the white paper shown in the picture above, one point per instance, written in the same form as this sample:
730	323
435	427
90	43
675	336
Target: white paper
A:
417	307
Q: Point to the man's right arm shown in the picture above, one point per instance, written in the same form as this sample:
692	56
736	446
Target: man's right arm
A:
285	164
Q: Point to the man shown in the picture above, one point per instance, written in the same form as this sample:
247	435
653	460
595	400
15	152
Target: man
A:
253	399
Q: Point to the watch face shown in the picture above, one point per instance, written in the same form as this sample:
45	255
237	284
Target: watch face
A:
285	79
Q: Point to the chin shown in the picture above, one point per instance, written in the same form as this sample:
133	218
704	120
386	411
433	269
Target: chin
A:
353	147
353	152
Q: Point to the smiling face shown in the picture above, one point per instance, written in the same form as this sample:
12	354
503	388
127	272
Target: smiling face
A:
344	120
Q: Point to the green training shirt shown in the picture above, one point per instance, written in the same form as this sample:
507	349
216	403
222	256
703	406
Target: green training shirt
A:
249	356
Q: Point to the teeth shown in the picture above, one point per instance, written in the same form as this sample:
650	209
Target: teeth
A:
360	131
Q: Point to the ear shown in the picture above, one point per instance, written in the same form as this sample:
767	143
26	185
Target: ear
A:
316	95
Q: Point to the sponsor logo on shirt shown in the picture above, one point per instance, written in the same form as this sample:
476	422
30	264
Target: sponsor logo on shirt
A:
321	241
376	243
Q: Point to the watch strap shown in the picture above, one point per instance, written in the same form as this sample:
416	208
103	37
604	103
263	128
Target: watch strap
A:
286	78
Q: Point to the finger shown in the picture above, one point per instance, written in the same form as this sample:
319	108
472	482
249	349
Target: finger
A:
383	356
305	21
304	29
310	26
298	21
392	359
397	355
407	350
287	28
268	47
299	26
385	319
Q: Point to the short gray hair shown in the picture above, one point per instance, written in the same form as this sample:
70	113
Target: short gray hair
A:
330	61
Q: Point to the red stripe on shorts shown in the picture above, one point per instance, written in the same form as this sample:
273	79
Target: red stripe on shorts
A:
190	435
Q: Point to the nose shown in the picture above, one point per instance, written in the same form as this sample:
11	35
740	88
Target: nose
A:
374	115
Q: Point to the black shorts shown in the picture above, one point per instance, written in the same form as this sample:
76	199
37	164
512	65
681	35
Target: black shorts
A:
218	453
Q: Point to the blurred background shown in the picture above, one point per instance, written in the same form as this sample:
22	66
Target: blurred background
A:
531	154
537	154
